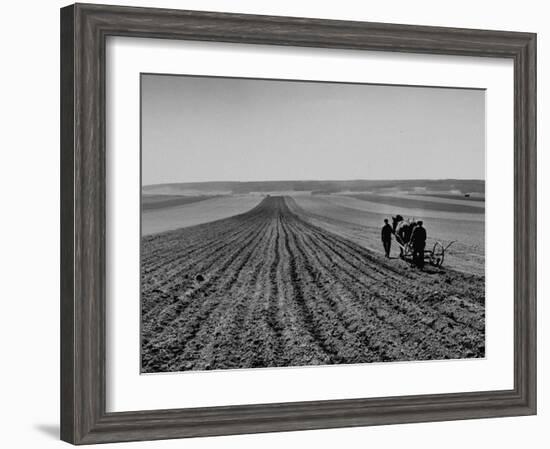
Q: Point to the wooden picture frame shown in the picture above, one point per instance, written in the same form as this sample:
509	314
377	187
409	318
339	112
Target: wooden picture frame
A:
84	29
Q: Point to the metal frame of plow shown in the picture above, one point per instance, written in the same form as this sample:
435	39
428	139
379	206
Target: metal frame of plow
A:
84	29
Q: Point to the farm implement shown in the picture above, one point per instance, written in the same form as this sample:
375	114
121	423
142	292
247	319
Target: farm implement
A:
434	257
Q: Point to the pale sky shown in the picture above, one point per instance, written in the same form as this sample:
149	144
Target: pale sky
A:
226	129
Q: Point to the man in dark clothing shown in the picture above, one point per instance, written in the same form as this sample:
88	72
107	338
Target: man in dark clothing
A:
418	241
387	231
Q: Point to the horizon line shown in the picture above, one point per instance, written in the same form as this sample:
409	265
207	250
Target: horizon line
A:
315	180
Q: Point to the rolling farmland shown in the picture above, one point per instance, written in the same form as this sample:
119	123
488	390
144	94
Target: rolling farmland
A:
191	213
269	287
153	202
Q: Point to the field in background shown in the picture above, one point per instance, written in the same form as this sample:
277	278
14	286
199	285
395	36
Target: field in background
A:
200	209
423	204
455	187
151	202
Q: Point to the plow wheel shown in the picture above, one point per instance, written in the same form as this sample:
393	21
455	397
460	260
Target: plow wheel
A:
437	255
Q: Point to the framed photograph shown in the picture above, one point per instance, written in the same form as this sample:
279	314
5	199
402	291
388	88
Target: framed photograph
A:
275	223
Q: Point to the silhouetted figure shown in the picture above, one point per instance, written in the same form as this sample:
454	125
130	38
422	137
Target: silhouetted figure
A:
387	231
418	241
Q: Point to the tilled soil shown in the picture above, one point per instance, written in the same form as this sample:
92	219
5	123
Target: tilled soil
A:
268	289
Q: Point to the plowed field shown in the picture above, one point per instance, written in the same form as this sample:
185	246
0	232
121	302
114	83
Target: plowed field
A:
276	290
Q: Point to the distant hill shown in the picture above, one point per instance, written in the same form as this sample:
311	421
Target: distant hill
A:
462	186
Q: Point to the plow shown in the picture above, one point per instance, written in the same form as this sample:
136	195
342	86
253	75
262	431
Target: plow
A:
434	256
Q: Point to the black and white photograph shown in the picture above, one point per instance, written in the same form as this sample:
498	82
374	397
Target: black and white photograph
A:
289	223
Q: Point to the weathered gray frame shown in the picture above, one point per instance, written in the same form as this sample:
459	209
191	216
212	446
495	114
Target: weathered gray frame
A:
84	419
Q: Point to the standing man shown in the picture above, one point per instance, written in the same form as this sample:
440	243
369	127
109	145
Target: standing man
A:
418	241
387	231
